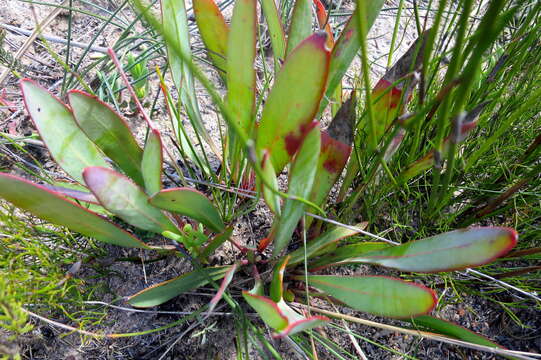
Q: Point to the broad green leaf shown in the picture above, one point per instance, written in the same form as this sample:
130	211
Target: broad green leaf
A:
335	234
272	199
160	293
69	146
122	197
214	31
174	18
240	63
453	250
105	128
54	208
276	286
152	162
451	329
241	78
293	101
276	31
191	203
300	184
301	24
346	48
346	252
377	295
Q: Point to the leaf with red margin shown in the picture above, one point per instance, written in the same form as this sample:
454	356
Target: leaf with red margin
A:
449	251
346	47
53	207
125	199
105	128
280	316
214	31
331	236
159	293
379	295
267	309
293	101
451	329
301	24
68	145
152	162
300	184
225	283
191	203
302	325
276	286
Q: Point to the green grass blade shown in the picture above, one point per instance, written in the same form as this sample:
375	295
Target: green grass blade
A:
174	17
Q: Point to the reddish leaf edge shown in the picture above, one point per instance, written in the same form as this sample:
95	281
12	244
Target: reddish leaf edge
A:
27	80
294	324
268	301
513	237
103	103
291	326
421	286
61	197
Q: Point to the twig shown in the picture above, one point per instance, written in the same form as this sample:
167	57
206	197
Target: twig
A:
33	37
54	39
